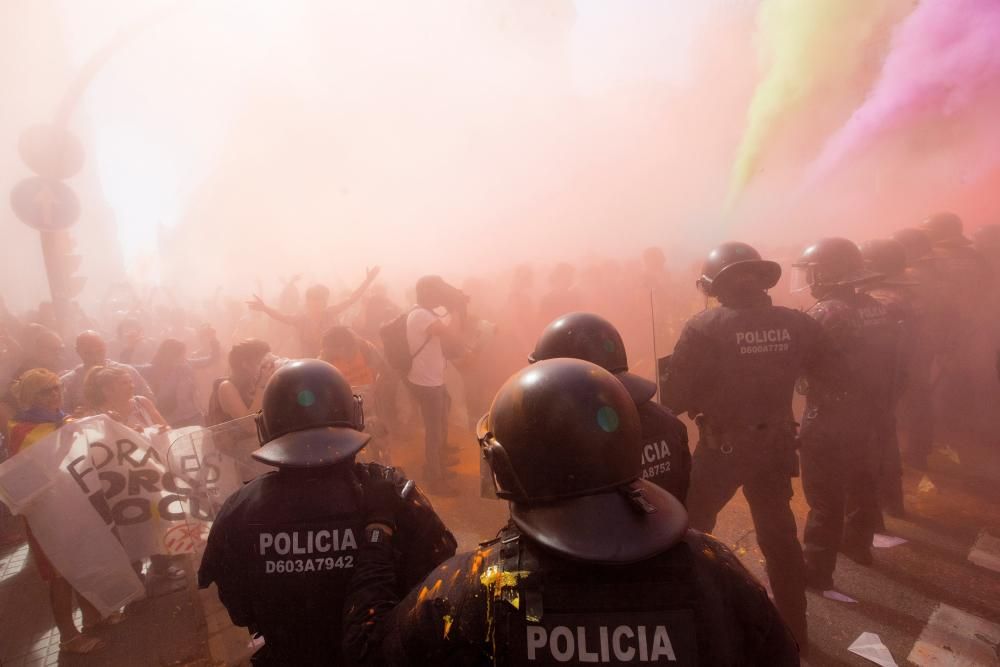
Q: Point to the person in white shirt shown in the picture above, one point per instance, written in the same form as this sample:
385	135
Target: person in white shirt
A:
432	338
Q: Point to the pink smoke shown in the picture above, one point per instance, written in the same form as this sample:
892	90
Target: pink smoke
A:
944	57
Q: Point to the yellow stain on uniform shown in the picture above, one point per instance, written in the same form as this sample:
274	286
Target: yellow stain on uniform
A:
477	562
448	620
432	591
495	580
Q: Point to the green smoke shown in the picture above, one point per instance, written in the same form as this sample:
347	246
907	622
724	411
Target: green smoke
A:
803	44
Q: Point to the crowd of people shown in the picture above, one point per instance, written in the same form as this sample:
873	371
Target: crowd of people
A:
899	329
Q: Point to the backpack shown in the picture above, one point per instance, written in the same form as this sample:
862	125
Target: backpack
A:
396	344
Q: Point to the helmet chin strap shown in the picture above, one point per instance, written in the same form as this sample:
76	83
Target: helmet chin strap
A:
637	499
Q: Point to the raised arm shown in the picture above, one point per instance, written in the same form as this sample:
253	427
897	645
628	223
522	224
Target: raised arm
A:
256	303
370	276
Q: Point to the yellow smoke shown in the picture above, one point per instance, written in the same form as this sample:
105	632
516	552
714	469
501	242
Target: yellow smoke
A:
803	45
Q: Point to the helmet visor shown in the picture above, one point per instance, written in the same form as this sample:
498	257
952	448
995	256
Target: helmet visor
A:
803	277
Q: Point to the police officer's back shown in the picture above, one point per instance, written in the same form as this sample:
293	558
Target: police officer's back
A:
595	566
844	413
666	457
284	547
735	368
897	292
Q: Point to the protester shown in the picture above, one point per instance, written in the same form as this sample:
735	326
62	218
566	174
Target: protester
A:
173	381
39	347
39	398
132	346
250	366
110	391
427	336
93	351
318	315
356	358
240	395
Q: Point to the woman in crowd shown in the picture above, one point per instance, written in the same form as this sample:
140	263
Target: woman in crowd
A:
250	366
173	381
39	398
110	391
240	395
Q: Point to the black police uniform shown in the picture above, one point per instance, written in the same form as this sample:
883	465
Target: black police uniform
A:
916	424
840	456
596	565
736	366
903	311
666	455
511	602
284	548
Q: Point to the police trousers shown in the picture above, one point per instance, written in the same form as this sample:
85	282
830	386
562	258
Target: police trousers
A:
840	481
764	469
890	474
916	417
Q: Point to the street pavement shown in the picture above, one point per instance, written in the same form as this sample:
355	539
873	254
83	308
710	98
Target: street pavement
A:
165	630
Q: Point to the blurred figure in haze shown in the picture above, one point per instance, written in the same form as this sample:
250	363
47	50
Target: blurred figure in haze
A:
376	309
318	315
40	348
357	359
93	351
429	337
132	346
916	426
966	278
174	385
562	296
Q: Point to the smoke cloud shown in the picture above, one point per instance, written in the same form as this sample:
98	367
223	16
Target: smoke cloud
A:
944	59
804	46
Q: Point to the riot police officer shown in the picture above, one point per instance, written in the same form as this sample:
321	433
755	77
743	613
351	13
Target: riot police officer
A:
283	549
917	425
666	458
896	290
734	368
840	460
596	564
966	277
986	240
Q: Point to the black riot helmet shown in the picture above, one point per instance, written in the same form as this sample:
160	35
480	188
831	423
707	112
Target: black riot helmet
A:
917	244
832	262
945	229
563	441
986	239
592	338
309	417
736	265
885	256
